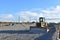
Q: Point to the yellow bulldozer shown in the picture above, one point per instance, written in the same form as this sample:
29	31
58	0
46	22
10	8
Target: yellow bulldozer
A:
41	23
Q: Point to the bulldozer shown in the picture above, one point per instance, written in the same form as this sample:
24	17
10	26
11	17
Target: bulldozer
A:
41	23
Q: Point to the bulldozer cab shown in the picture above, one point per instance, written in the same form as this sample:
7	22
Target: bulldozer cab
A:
41	19
41	23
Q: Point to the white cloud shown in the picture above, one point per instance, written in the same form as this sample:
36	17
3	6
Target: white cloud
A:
7	16
25	15
29	15
52	13
49	13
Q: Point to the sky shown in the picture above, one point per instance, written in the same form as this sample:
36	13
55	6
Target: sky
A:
29	10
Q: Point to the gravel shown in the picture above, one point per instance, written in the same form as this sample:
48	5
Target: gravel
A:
4	36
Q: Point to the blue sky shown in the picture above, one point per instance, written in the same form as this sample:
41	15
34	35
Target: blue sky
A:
14	8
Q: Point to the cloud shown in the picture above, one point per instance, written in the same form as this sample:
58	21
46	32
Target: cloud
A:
29	15
52	14
7	16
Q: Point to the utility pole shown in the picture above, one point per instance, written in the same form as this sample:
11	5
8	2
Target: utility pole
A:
18	18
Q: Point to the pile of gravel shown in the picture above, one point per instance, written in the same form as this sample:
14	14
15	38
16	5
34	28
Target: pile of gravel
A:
4	36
